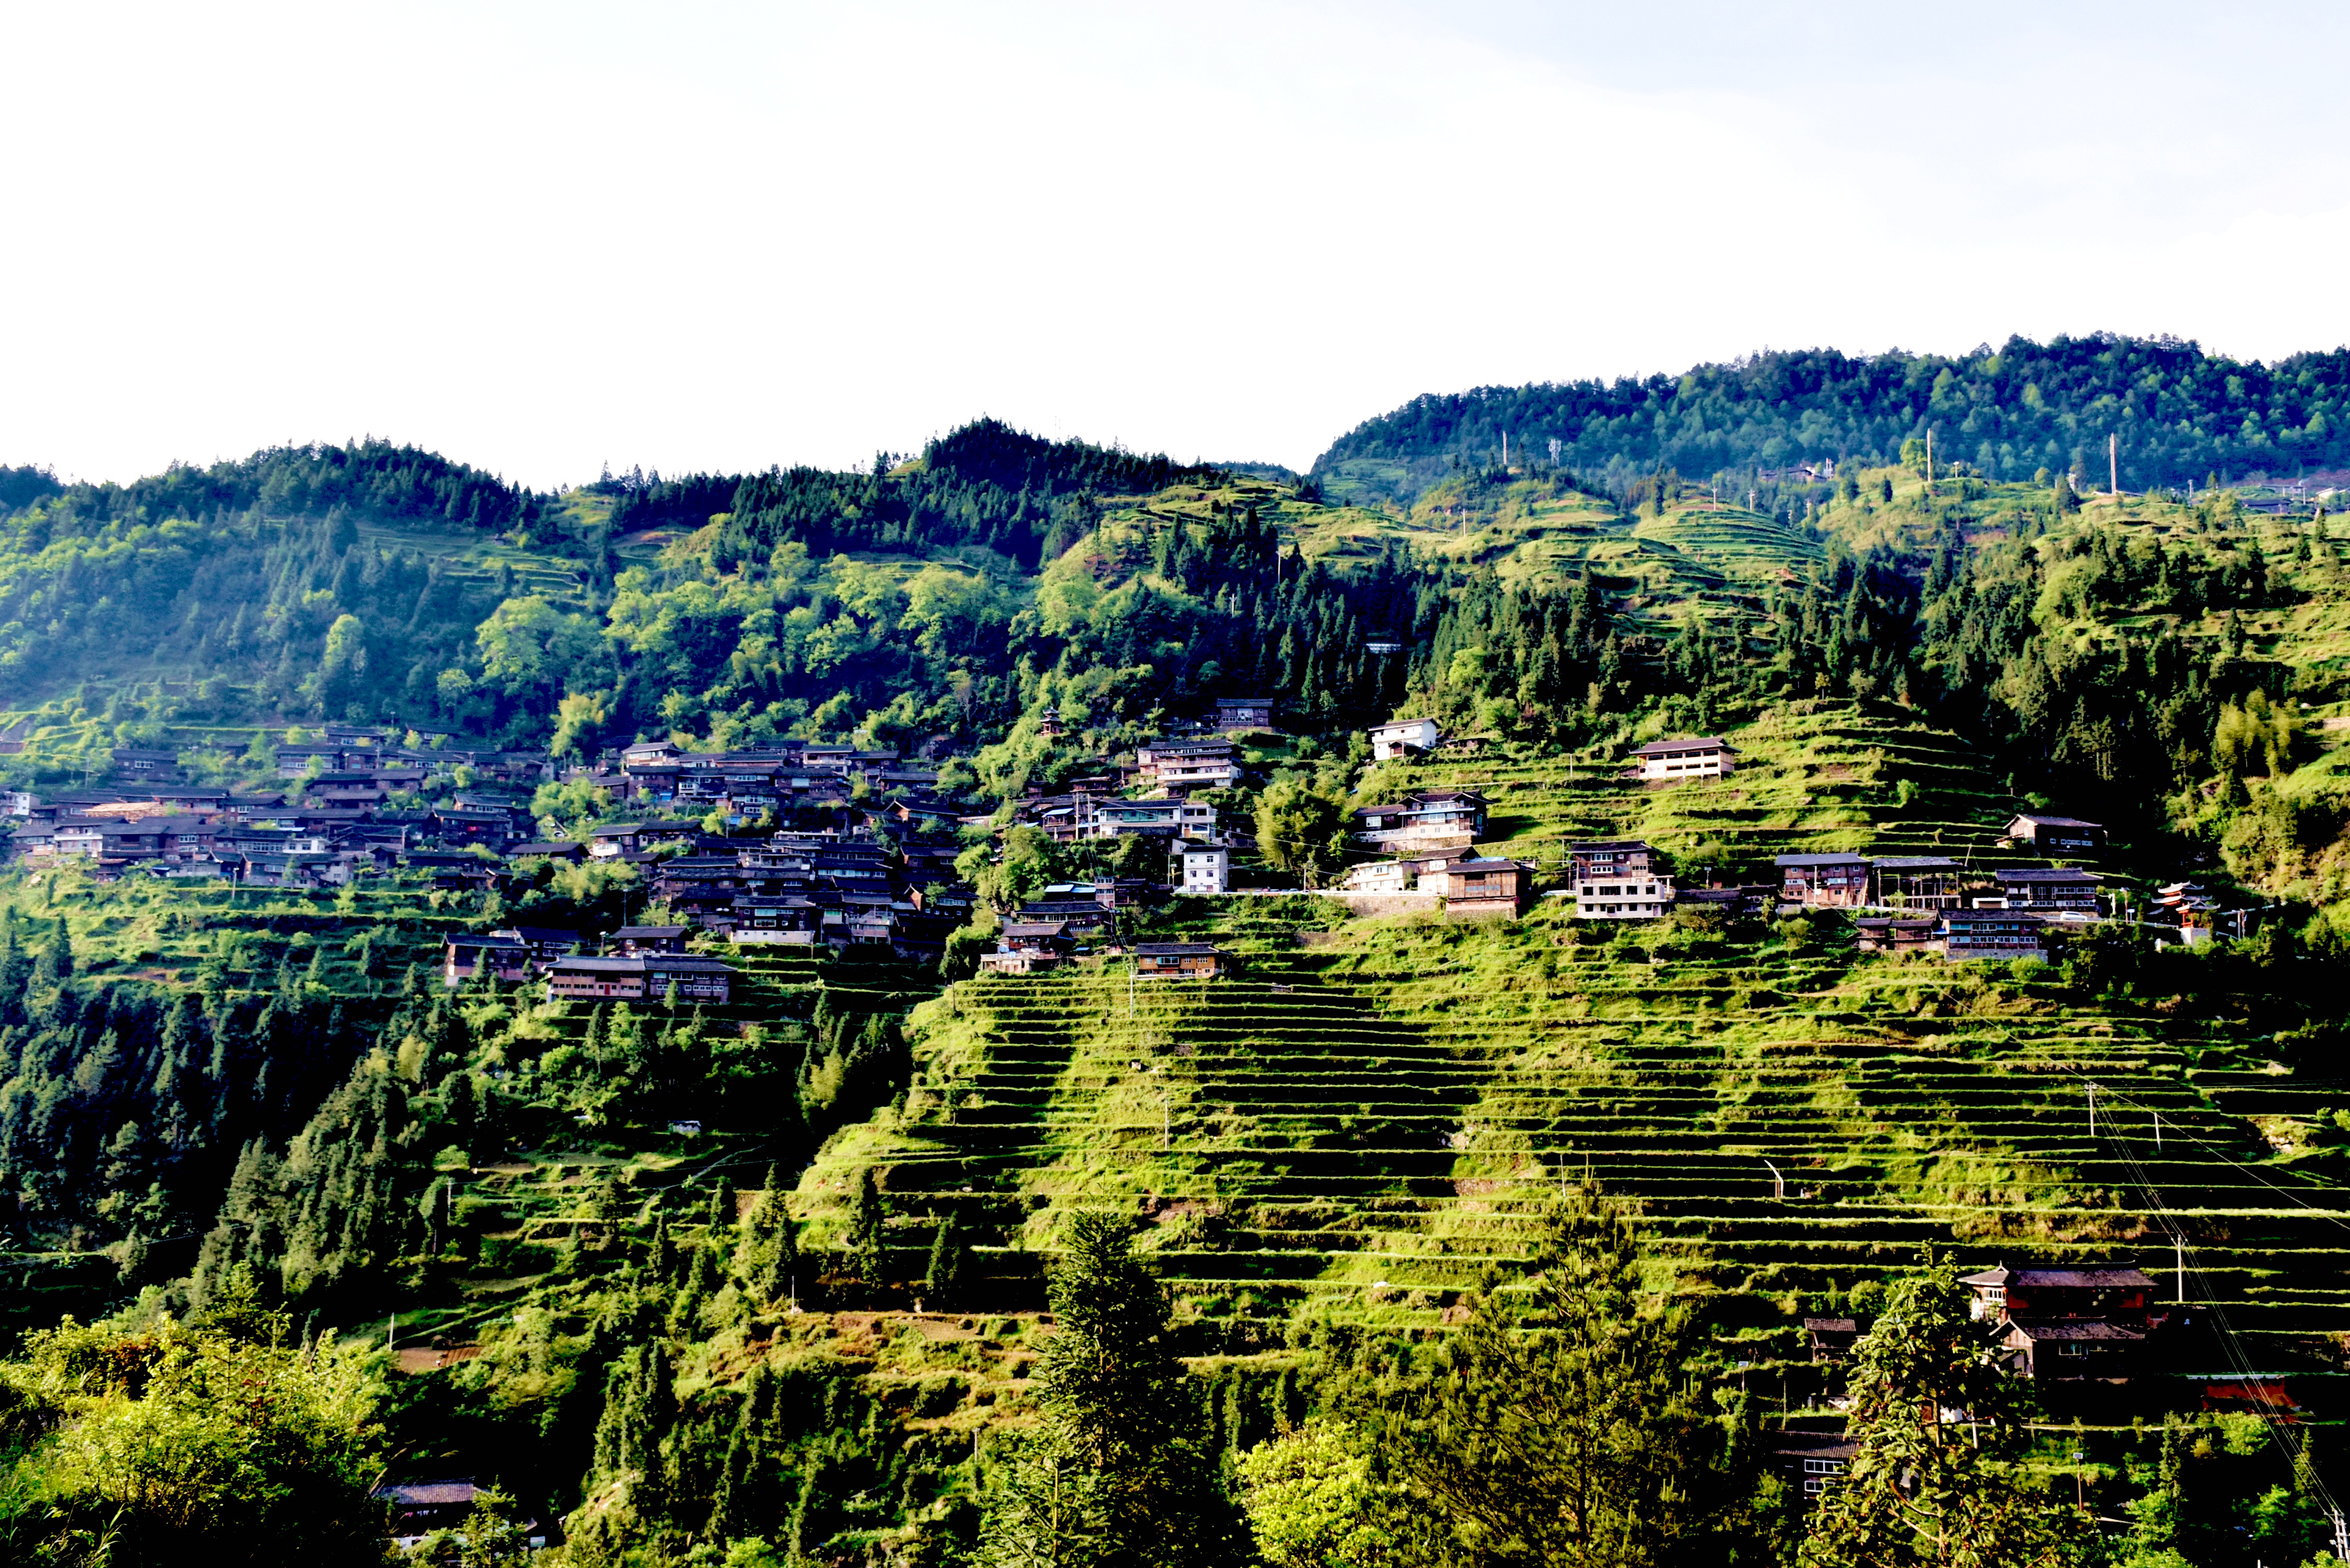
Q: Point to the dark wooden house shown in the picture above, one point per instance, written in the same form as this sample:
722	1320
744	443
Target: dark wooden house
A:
1839	881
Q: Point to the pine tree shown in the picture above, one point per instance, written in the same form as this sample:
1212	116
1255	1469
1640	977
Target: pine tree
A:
1923	1490
865	1231
56	963
1570	1439
940	1280
1119	1473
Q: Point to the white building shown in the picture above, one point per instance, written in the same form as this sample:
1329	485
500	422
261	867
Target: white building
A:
1687	757
1383	877
1404	737
1206	869
1619	879
1648	896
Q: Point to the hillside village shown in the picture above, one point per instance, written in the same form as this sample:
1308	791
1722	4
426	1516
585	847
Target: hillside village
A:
1335	991
867	847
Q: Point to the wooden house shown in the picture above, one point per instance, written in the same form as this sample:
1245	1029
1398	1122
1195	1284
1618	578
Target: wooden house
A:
2049	890
417	1509
1830	1339
1593	858
1048	936
545	943
1811	1463
502	956
1243	713
1839	881
1178	961
781	919
637	941
1893	934
1009	960
1482	887
646	979
1084	920
1212	764
1423	819
1991	934
616	839
2072	1320
1753	898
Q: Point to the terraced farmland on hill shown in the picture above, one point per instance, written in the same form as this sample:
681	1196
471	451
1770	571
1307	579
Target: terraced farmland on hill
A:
1811	776
1366	1118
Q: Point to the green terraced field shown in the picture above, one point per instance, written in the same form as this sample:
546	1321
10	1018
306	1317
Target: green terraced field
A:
1369	1117
1812	775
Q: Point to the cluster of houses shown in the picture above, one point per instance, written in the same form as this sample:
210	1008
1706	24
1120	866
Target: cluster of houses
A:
798	784
1073	919
1912	903
849	868
640	963
349	802
830	888
1901	904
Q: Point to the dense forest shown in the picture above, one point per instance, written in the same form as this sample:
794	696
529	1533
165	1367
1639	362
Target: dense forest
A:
255	584
2182	416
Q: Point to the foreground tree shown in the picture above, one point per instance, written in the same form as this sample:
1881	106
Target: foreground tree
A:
1116	1475
1560	1429
150	1439
1921	1490
1314	1502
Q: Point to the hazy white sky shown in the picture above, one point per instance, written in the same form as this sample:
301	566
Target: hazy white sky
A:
542	237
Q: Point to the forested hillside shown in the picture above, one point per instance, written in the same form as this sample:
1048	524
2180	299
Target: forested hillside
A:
1407	1240
2183	417
381	585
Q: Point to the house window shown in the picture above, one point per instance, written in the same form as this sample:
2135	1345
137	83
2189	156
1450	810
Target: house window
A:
1821	1466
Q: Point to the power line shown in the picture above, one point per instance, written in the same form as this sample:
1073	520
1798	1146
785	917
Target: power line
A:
2290	1444
2177	1131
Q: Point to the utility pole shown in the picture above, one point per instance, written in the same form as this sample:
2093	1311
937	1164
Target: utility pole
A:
1930	457
2158	1132
1778	1182
2178	1256
2114	466
2093	1110
392	1332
